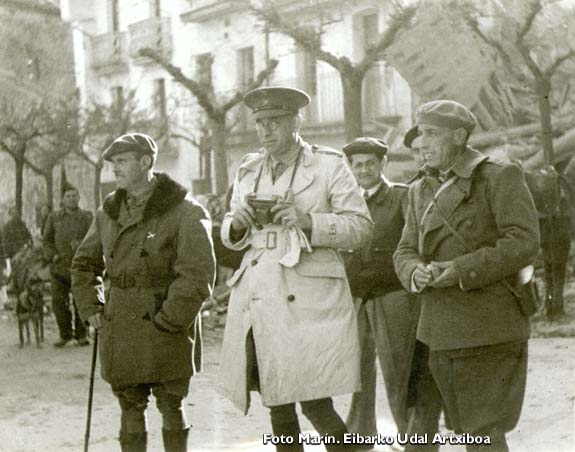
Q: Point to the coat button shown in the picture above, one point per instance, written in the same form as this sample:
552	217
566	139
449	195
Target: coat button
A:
472	275
133	316
291	297
254	263
468	224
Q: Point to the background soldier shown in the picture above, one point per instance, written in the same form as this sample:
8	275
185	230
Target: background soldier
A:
387	314
154	241
291	331
63	232
468	233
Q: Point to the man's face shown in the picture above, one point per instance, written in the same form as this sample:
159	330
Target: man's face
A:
278	134
367	169
439	146
70	199
129	169
416	152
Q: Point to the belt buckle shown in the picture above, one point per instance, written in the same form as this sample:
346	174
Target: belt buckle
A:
271	240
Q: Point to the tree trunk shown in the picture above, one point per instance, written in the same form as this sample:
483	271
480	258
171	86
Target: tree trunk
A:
49	178
352	105
97	184
218	129
19	164
553	305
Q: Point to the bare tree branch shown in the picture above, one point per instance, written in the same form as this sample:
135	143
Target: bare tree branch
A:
396	23
260	78
535	7
551	69
193	86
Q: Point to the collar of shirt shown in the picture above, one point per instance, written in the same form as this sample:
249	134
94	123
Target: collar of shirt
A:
373	190
138	201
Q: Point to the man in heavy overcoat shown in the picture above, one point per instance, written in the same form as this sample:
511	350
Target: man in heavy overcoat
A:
291	331
470	231
387	314
153	240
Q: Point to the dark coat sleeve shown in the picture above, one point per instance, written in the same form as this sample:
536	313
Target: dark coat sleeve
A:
406	257
87	272
194	267
515	217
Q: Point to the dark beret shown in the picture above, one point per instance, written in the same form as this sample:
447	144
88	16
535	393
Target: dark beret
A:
410	137
272	101
446	113
140	143
366	145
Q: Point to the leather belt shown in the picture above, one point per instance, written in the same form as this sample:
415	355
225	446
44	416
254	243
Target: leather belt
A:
126	281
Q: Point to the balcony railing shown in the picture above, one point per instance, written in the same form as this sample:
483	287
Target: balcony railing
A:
109	51
154	33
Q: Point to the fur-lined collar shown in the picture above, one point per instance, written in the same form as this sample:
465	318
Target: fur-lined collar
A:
167	194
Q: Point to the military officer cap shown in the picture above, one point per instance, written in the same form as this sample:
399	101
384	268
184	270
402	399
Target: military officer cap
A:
410	137
366	145
273	101
140	143
446	113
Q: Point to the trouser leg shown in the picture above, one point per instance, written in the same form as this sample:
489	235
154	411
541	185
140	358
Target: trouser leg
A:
425	412
61	306
361	418
133	403
170	402
482	389
326	421
285	423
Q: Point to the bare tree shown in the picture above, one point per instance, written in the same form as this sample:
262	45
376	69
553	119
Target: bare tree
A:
215	109
535	71
351	74
23	130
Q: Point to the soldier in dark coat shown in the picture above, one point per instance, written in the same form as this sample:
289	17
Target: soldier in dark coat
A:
153	240
387	314
63	232
469	232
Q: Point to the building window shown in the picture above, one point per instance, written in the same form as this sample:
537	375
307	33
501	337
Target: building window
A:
370	30
245	67
114	15
160	99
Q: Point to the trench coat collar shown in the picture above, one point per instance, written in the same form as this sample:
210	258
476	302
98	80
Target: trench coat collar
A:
304	172
166	194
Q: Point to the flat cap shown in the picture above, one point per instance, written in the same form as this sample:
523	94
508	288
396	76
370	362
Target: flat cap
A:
410	137
272	101
140	143
446	113
366	145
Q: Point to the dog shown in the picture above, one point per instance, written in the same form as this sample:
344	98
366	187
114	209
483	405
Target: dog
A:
30	309
28	286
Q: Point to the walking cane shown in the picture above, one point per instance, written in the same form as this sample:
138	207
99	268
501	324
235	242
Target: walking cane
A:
91	391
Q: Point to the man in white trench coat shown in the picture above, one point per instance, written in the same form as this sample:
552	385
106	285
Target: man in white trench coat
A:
291	331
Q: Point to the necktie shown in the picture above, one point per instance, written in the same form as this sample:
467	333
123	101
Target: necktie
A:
366	196
366	248
278	170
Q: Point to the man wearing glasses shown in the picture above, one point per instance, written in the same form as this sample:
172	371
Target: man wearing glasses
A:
291	331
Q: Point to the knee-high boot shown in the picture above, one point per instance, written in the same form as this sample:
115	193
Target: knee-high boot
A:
175	440
133	442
